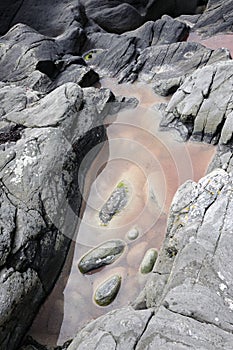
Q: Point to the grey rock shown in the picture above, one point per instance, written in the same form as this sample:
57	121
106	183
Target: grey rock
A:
41	183
189	294
166	66
217	18
163	31
107	291
104	254
115	203
49	18
222	159
33	60
84	76
118	19
201	109
21	49
118	329
148	261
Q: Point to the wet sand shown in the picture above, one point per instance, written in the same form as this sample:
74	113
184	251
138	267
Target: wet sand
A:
154	164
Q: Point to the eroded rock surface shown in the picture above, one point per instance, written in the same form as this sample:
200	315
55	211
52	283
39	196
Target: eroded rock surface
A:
40	195
118	329
217	18
201	109
48	124
193	272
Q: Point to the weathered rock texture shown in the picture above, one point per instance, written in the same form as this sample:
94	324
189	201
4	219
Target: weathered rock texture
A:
47	125
217	18
45	141
189	295
202	108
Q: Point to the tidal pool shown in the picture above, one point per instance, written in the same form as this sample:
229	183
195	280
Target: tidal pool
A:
154	164
215	41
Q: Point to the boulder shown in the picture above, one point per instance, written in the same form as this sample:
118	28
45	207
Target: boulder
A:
119	329
188	297
30	59
52	17
44	140
217	18
201	109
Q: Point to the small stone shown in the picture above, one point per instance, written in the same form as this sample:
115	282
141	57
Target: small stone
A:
105	254
148	261
133	234
115	203
107	291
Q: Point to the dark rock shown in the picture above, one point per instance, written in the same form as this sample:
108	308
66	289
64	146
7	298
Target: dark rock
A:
118	19
48	17
84	76
217	18
107	291
35	61
201	109
155	8
166	66
21	50
105	254
115	203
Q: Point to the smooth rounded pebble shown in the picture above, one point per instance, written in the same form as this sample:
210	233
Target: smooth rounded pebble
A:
104	254
107	291
133	234
148	260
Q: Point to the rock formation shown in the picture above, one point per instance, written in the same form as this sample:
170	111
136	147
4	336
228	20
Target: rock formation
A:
51	53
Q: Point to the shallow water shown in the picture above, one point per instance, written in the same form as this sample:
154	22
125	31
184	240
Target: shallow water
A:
153	164
214	42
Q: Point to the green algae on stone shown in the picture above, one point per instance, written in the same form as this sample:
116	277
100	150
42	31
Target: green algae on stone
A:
104	254
91	55
115	203
148	261
107	291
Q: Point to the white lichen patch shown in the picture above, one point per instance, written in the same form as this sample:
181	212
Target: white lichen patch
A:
220	276
222	287
230	303
20	165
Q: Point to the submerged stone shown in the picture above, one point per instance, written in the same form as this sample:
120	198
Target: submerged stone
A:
148	261
115	203
105	254
133	234
107	291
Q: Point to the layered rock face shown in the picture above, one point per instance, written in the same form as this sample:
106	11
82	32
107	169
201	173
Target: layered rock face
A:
45	140
51	52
